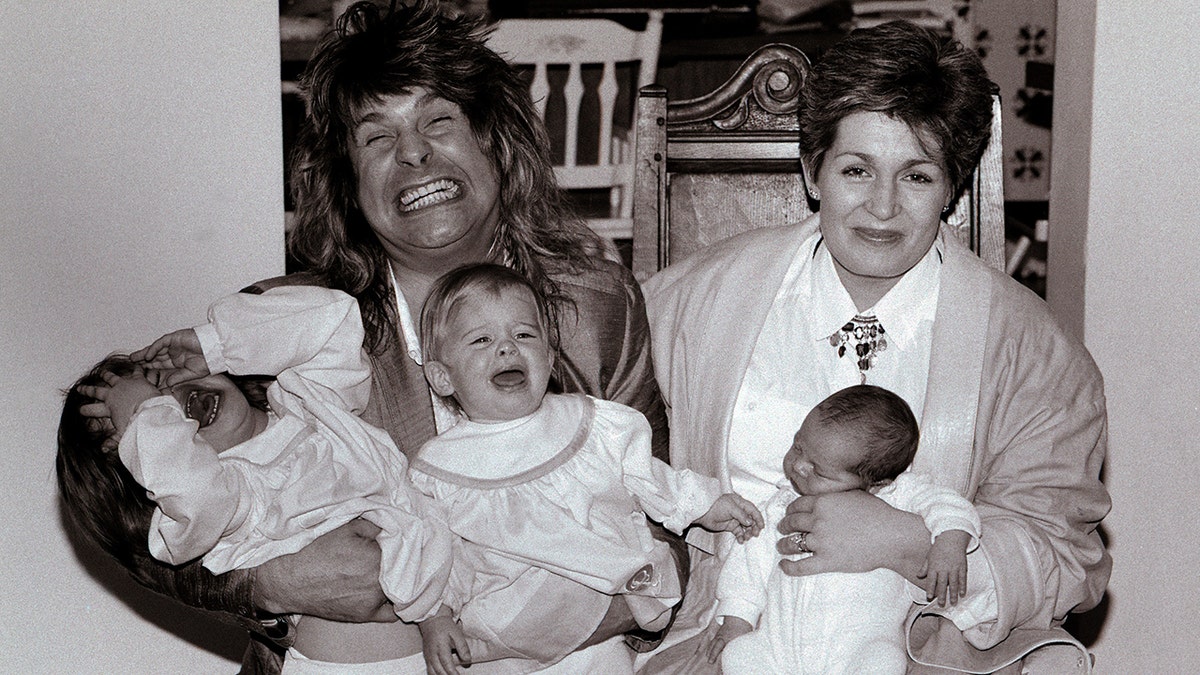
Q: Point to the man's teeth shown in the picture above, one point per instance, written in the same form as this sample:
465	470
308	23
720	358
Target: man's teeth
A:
428	195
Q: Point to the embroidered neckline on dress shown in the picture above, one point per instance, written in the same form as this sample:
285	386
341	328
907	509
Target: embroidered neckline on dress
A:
562	457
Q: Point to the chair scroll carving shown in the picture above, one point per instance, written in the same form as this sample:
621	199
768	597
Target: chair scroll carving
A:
709	167
766	87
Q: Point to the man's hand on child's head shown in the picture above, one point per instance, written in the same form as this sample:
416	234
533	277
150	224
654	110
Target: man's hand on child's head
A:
733	513
118	397
176	356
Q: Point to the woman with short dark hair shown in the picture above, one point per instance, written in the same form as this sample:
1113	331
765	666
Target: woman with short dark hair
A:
750	333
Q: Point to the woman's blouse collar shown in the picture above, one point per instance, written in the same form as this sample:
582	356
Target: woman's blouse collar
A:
912	300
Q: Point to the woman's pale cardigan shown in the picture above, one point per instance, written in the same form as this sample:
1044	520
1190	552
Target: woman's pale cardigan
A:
1014	419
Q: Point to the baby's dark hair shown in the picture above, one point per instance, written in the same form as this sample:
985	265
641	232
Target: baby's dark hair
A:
883	424
100	495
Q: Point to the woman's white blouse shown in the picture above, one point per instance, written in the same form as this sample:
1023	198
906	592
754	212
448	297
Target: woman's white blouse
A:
793	366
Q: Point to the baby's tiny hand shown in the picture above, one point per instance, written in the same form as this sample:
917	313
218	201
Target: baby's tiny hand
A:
946	567
731	628
444	643
733	513
177	356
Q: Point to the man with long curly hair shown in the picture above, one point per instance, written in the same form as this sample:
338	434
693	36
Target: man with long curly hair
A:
422	152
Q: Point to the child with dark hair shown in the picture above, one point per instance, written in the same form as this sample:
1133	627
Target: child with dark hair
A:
100	495
860	438
161	454
544	489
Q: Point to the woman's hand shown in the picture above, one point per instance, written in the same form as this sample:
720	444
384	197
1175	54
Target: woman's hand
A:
853	532
336	577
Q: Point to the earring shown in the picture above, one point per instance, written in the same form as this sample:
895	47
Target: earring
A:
815	194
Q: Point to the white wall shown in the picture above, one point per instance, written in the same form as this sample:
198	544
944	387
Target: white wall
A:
1129	215
140	178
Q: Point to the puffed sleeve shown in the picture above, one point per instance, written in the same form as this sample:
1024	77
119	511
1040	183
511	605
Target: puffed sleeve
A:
199	497
673	497
310	337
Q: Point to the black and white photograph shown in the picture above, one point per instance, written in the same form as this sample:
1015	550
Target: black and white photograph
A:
613	337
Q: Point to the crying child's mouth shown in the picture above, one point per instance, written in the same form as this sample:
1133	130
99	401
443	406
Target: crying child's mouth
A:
509	378
203	407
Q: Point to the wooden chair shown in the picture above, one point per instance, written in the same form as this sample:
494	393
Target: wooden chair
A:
710	167
596	54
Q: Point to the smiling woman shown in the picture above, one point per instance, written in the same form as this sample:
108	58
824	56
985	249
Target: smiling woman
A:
881	197
752	333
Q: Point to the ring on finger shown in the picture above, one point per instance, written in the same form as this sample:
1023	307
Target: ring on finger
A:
798	540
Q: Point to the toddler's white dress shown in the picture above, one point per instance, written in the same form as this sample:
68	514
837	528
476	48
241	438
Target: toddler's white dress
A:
315	467
558	498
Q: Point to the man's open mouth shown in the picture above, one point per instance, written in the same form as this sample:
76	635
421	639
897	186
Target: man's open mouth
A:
429	194
203	406
514	377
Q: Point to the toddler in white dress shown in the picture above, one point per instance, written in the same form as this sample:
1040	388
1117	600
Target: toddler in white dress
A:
238	485
543	489
860	438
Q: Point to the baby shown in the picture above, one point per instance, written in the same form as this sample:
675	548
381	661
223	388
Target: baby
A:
860	438
161	452
543	488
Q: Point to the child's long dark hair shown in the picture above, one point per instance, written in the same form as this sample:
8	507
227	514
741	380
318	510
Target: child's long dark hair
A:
99	494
